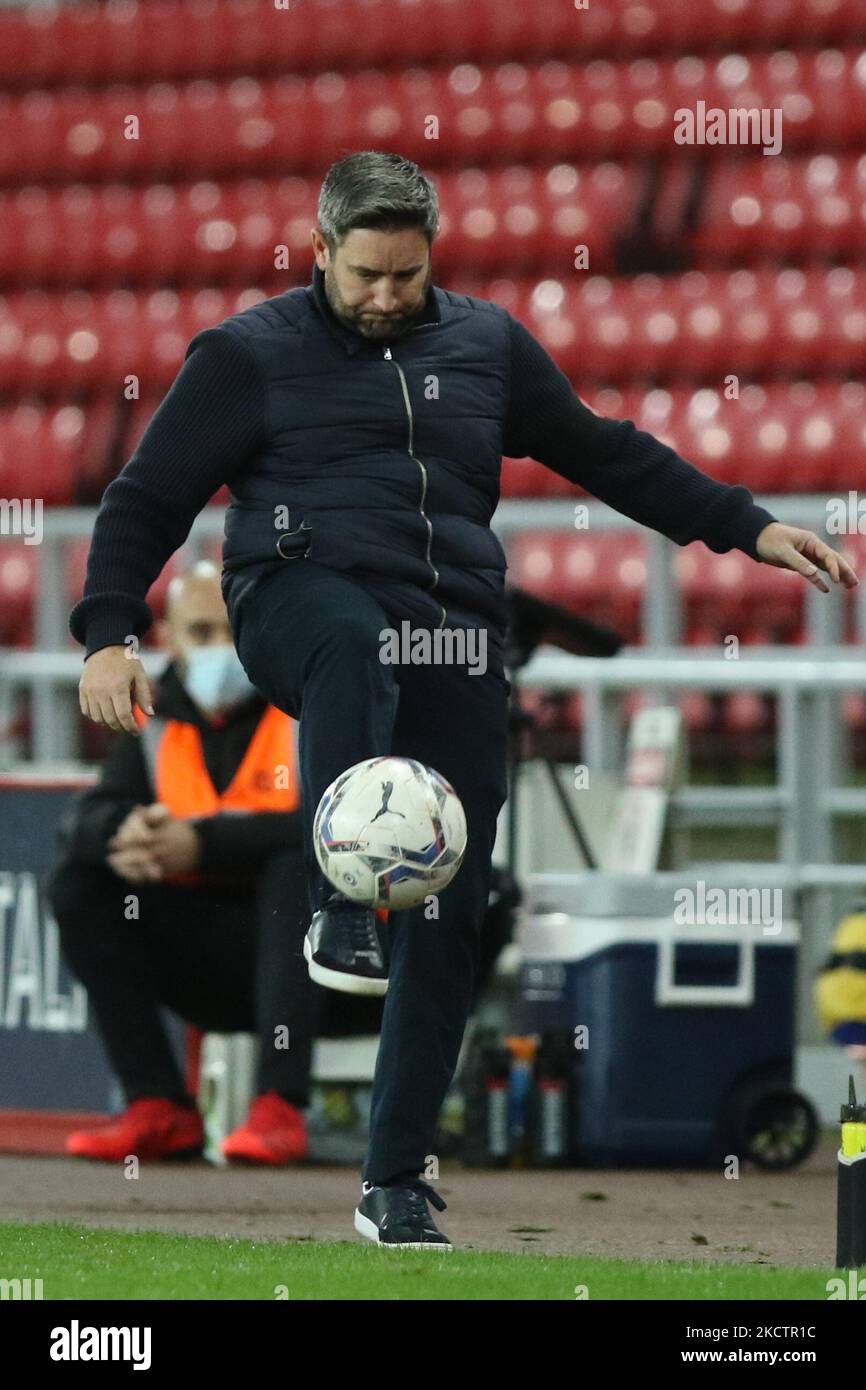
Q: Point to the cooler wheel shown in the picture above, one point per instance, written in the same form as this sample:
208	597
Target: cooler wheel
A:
778	1129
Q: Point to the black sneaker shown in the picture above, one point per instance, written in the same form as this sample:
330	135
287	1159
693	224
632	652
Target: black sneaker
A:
398	1217
343	948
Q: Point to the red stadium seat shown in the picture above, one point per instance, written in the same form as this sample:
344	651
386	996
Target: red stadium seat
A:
76	573
130	41
697	710
854	711
801	208
520	478
721	593
40	450
495	219
774	438
746	712
550	109
695	325
19	578
684	327
601	576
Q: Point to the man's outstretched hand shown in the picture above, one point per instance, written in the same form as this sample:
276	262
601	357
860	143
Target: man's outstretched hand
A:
790	548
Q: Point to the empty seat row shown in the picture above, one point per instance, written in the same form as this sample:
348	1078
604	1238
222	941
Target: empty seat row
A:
802	207
65	453
57	451
693	326
439	117
774	438
124	39
601	575
115	233
19	585
796	208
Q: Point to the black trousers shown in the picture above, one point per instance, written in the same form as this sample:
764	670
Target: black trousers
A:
309	639
229	959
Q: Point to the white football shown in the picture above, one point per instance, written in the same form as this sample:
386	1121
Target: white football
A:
390	831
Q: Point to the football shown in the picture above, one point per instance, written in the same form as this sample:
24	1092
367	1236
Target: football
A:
389	831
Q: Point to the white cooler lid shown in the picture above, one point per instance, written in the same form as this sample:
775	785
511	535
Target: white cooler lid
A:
599	894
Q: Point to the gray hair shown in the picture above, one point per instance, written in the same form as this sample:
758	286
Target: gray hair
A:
378	190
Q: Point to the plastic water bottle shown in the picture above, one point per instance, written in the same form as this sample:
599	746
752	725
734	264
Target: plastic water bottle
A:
551	1108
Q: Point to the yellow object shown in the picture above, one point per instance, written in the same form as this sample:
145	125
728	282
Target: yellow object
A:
853	1117
851	933
840	993
853	1139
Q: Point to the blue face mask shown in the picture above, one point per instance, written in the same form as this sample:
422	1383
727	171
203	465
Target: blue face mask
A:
214	677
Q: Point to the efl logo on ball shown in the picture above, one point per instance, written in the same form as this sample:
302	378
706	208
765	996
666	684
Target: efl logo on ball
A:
389	831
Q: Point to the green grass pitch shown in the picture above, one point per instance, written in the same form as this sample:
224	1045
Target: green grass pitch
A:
76	1262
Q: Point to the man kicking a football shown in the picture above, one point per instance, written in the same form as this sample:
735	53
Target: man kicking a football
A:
360	423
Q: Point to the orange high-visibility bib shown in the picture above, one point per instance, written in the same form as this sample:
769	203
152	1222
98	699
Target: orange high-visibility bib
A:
266	780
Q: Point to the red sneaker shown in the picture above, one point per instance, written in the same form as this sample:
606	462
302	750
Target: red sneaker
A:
275	1132
149	1128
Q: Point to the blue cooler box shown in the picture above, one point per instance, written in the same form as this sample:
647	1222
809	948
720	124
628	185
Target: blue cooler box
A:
682	1029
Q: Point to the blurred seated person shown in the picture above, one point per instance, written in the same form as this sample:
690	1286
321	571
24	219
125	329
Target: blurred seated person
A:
182	884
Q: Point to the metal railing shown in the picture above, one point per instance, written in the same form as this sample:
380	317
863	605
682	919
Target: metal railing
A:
50	672
809	794
804	805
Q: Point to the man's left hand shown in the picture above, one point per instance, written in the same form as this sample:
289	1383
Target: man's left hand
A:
790	548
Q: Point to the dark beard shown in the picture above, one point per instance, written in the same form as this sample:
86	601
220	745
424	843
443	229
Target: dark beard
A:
349	317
